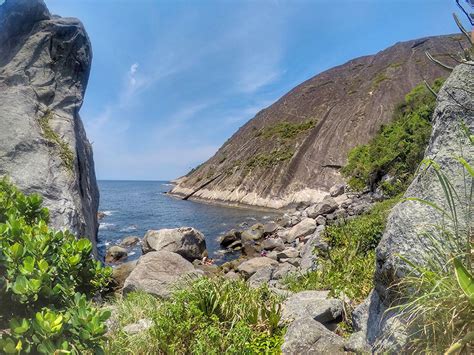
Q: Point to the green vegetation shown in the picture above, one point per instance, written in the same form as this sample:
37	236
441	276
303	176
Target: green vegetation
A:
381	77
286	130
347	268
65	152
266	160
398	148
46	277
438	294
210	316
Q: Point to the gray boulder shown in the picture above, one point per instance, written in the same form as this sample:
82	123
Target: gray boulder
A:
121	272
327	205
273	244
129	241
250	267
230	237
305	336
409	219
253	233
115	254
270	228
283	271
262	276
288	253
140	326
44	68
302	229
185	241
159	273
336	190
314	304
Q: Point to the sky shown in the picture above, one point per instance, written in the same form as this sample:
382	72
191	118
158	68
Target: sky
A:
172	80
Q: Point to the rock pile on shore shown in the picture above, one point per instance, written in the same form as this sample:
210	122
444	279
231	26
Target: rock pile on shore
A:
269	253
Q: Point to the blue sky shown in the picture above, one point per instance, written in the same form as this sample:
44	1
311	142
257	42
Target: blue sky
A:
171	81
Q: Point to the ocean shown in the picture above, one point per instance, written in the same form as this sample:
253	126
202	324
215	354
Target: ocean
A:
133	207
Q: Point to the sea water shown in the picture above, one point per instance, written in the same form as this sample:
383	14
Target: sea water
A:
133	207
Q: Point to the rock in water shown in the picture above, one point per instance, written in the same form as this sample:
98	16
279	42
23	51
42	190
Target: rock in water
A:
185	241
44	67
409	219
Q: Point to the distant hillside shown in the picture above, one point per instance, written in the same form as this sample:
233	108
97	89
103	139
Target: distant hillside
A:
292	150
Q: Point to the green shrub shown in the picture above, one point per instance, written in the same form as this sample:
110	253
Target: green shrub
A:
398	148
286	130
46	276
348	267
211	316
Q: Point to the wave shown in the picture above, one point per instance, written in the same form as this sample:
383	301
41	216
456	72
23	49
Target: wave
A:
108	213
129	228
106	226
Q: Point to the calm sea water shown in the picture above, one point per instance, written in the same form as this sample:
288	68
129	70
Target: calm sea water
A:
133	207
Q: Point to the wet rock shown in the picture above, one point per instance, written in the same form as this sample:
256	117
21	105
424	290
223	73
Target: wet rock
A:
229	238
115	254
129	241
253	233
185	241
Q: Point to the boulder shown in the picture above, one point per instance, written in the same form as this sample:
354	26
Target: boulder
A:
229	238
232	275
305	336
273	244
336	190
237	245
261	276
409	219
314	304
185	241
250	267
302	229
45	62
320	220
129	241
284	221
159	273
269	228
288	253
121	272
327	205
253	233
283	271
115	254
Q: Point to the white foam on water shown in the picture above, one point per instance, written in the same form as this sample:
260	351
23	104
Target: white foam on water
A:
106	226
129	228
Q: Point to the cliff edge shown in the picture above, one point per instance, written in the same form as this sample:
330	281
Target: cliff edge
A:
44	68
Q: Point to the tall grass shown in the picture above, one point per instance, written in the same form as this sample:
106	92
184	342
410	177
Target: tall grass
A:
209	316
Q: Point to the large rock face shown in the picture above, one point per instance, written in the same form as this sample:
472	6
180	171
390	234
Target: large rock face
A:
44	68
409	219
268	163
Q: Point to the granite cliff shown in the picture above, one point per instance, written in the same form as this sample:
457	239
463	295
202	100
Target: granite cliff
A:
44	68
291	151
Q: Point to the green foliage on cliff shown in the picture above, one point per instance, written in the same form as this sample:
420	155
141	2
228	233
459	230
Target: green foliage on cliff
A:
286	130
267	160
398	148
46	277
347	268
210	316
65	152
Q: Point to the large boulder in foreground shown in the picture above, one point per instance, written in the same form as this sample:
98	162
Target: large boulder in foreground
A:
159	273
305	336
185	241
44	68
409	219
251	266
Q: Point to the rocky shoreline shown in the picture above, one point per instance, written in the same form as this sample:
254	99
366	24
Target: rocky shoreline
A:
266	254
